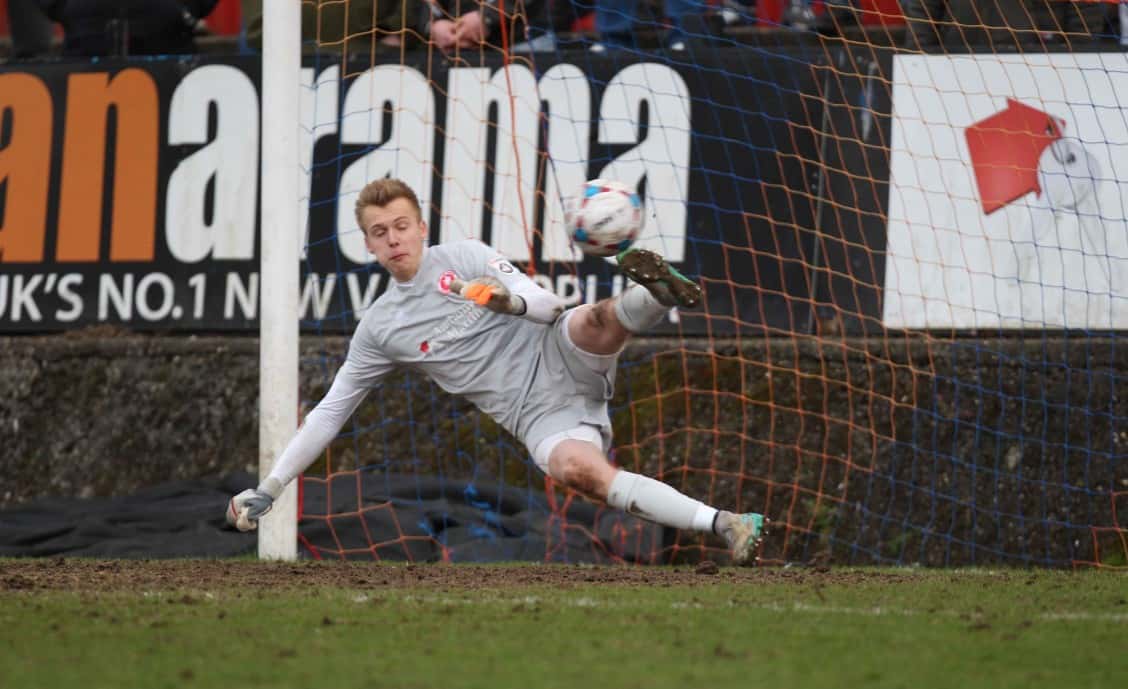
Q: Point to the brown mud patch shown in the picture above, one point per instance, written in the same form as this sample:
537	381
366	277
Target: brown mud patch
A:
74	574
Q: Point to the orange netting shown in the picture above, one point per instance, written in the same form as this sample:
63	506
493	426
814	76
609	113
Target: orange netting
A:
911	236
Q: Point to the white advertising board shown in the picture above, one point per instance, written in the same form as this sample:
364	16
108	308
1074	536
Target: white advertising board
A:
1007	204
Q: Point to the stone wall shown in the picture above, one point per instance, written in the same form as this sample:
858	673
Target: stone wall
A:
903	449
93	416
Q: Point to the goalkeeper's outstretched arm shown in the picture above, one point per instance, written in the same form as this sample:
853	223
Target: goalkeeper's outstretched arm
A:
320	427
531	302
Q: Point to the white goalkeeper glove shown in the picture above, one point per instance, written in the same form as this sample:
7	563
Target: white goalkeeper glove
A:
490	293
245	509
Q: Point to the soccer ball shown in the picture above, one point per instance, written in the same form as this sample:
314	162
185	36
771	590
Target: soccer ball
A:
605	218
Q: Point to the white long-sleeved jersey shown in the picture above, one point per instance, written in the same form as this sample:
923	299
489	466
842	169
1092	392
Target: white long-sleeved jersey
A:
516	369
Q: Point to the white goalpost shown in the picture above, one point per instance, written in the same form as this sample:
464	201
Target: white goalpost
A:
279	237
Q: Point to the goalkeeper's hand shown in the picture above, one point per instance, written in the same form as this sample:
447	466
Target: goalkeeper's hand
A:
490	293
245	509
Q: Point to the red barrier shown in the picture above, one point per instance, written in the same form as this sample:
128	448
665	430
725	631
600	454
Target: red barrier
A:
871	11
226	19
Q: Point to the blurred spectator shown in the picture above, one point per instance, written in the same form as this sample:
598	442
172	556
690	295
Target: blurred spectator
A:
1000	24
799	15
360	27
128	27
463	24
1067	21
615	23
569	15
841	15
735	12
31	29
960	23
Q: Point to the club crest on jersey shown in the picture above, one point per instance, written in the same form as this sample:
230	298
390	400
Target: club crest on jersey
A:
502	266
445	280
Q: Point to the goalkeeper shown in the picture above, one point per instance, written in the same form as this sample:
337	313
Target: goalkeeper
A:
467	318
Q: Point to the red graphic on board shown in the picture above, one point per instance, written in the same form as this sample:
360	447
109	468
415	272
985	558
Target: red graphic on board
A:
1005	149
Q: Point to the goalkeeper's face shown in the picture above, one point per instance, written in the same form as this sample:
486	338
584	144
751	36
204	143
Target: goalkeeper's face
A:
394	235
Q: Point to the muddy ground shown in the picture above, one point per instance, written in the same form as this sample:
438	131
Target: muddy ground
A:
72	574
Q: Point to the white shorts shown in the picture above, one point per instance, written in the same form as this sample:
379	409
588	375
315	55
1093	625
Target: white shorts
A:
601	365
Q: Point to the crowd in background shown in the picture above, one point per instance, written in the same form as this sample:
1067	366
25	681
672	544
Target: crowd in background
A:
105	27
148	27
1004	24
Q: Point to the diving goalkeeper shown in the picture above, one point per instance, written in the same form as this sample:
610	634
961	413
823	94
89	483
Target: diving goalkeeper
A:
480	328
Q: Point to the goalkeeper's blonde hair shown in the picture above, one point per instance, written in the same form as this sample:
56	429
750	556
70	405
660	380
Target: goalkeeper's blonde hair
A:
381	192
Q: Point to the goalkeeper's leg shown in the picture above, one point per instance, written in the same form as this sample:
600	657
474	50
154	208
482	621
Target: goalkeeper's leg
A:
603	328
582	466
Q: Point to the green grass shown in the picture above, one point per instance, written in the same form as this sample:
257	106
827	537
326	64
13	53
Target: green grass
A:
868	628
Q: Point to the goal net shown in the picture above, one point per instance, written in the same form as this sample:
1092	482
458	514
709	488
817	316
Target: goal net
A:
911	237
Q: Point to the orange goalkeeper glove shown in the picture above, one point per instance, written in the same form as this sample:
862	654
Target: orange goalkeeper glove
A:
491	294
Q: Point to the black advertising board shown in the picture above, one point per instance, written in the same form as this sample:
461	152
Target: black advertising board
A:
129	190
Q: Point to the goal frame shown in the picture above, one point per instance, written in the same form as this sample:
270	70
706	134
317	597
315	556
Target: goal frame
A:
280	197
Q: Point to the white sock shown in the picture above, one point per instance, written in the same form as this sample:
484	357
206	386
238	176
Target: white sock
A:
658	502
638	310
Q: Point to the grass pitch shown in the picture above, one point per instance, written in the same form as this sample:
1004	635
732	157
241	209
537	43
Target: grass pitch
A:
80	623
